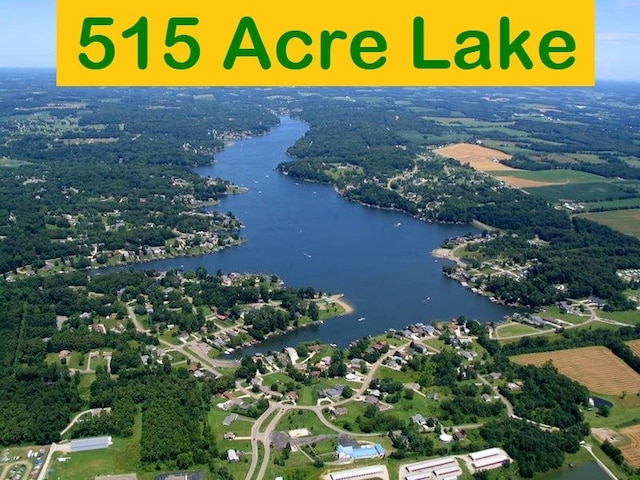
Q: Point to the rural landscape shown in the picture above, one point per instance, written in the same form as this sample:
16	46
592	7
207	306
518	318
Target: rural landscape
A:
118	362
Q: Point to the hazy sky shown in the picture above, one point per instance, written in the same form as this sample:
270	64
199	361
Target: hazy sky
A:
27	36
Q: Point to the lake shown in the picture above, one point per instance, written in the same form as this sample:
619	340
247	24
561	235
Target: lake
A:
309	236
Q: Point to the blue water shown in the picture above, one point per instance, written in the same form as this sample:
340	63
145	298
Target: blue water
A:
310	236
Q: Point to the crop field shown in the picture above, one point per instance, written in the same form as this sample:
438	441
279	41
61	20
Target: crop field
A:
614	204
543	178
625	221
586	192
634	345
631	451
597	368
479	157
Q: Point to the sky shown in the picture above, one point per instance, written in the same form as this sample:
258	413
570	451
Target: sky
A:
27	36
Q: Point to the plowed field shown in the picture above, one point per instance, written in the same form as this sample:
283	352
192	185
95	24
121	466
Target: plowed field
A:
594	367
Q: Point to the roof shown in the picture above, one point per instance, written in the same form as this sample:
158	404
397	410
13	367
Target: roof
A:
229	419
358	472
366	451
93	443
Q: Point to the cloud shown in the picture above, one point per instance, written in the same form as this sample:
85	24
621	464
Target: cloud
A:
628	3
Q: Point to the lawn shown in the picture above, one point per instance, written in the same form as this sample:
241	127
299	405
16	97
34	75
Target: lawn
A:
404	377
85	384
78	360
555	312
625	221
515	329
632	317
170	336
121	457
625	412
98	362
348	421
295	419
405	409
241	427
296	466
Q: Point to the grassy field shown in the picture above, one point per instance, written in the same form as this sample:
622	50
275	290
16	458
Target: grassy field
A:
85	384
597	368
514	329
404	377
297	464
121	457
241	427
631	317
9	162
625	221
295	419
555	312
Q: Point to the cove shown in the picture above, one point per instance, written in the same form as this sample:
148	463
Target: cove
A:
309	236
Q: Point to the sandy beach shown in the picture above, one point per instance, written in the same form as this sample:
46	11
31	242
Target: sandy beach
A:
447	254
339	299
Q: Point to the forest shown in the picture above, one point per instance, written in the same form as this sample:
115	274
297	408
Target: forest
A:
139	191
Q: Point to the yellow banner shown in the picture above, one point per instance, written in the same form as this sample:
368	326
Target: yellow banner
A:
328	43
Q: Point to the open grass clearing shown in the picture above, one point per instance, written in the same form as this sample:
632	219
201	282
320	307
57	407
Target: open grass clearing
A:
489	130
241	427
597	368
625	221
514	329
297	465
122	457
297	419
11	163
397	375
631	317
467	122
554	312
85	384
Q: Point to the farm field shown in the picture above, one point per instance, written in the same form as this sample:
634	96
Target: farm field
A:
585	192
479	157
625	221
614	204
597	368
634	345
631	451
552	177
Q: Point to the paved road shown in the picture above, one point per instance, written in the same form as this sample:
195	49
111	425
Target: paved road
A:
93	411
265	437
503	399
